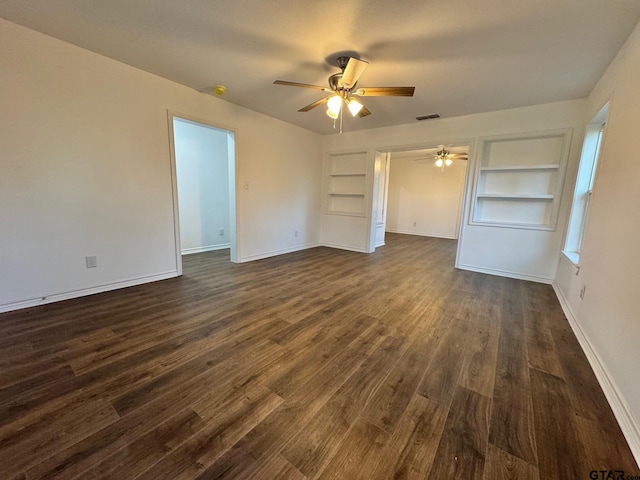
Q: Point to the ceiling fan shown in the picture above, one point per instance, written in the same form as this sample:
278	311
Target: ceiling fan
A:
342	87
444	158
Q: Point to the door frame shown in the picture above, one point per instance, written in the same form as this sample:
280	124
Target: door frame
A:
232	158
468	181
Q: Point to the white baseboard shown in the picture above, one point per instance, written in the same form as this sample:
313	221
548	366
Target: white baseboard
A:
504	273
422	234
344	247
208	248
57	297
628	423
381	244
273	253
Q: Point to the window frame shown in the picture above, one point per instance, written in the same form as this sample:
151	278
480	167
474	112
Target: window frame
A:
584	188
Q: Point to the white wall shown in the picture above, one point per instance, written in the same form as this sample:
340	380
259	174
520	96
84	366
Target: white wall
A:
202	168
85	170
529	254
423	194
609	315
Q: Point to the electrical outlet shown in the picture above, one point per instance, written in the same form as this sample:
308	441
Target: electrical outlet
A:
222	232
415	224
295	234
92	262
582	290
246	185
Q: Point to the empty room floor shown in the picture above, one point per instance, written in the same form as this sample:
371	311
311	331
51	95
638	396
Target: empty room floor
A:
317	364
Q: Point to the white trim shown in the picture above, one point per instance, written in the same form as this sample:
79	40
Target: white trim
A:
208	248
505	273
344	247
628	423
274	253
57	297
572	257
422	234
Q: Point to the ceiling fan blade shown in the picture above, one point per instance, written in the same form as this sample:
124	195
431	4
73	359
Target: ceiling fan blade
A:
315	104
352	72
459	156
304	85
364	111
384	92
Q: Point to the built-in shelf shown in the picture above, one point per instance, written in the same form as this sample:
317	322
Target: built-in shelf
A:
506	168
518	183
516	197
346	184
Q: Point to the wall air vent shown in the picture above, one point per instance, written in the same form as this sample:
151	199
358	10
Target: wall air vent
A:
428	117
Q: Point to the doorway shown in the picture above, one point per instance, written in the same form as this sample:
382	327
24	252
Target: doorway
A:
424	198
203	177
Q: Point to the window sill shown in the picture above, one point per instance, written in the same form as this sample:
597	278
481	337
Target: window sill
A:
573	257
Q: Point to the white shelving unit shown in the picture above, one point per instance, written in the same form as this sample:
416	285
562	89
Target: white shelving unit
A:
346	184
519	180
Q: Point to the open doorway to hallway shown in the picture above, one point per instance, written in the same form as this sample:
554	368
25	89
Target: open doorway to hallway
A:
203	161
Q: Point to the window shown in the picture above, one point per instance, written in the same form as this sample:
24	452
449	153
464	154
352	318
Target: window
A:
584	185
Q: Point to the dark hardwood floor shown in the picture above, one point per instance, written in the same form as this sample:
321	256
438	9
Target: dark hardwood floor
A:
318	364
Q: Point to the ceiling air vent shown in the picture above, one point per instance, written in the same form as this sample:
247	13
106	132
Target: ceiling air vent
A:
428	117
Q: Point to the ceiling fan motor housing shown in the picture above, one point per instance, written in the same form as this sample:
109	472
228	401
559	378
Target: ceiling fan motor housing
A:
334	83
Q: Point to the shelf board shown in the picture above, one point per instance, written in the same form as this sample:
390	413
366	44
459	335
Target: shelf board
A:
507	168
336	194
347	174
504	224
345	213
502	196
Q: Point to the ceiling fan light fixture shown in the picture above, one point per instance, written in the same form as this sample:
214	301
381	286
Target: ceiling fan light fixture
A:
354	106
439	162
448	162
334	105
332	114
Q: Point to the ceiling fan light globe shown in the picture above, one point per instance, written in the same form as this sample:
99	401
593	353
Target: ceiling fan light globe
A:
331	114
334	105
354	107
448	162
439	162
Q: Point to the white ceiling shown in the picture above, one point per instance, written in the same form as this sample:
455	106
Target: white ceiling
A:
463	56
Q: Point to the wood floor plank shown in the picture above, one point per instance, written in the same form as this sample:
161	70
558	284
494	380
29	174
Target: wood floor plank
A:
541	350
462	449
443	372
478	369
280	469
561	455
512	426
409	453
358	454
390	400
502	466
